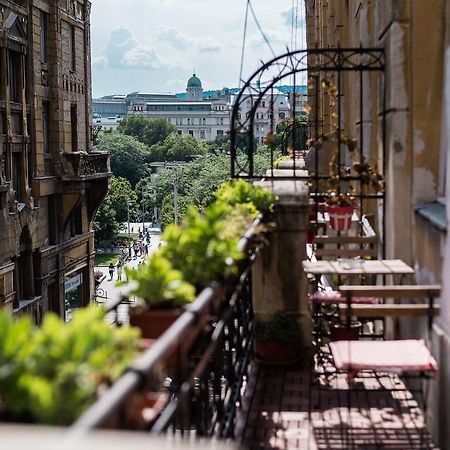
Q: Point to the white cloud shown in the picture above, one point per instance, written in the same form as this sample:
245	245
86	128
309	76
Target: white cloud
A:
289	20
182	41
174	38
209	45
99	62
123	51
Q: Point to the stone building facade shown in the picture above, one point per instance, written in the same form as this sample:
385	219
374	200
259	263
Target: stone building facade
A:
415	36
204	119
51	184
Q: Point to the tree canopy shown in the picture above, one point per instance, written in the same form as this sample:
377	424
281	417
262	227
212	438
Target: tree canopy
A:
147	131
122	194
177	148
114	209
127	155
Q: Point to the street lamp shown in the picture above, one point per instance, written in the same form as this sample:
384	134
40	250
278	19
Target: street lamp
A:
149	193
129	233
143	211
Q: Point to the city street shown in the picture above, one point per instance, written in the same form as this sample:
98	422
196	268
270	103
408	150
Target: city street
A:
107	288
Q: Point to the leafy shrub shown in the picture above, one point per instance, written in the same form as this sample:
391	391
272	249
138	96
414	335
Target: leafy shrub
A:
52	374
159	284
282	327
239	192
199	248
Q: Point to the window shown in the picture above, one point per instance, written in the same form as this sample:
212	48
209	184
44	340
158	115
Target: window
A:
52	220
221	121
44	34
219	134
202	134
75	222
180	132
189	121
72	49
46	126
74	127
282	115
15	175
191	132
204	121
263	104
15	76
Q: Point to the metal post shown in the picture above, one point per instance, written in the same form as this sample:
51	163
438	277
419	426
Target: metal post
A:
129	234
143	212
175	196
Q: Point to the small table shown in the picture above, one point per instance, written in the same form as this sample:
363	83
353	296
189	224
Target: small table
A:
346	267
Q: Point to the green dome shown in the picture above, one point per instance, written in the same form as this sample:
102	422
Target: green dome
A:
194	82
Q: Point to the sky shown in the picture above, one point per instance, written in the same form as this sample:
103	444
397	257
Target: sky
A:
155	45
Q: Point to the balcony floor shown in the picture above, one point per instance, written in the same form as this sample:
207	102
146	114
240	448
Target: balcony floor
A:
276	416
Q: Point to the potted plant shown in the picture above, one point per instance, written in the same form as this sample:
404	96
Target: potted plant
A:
204	248
52	374
340	209
162	292
277	340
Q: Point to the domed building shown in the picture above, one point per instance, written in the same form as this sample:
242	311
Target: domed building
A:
194	89
204	119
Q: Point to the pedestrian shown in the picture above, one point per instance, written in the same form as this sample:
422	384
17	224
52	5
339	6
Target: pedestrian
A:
136	250
111	271
146	249
119	271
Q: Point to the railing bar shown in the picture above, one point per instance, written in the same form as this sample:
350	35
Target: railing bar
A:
164	419
107	405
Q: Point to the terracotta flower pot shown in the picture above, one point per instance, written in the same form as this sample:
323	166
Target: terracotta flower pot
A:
340	217
341	331
276	353
154	323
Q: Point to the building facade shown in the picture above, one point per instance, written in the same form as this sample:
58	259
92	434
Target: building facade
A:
204	119
272	109
51	184
415	37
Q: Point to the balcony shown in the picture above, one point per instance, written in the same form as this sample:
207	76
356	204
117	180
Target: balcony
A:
219	388
80	166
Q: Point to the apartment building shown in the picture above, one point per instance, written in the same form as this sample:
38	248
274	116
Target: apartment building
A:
51	183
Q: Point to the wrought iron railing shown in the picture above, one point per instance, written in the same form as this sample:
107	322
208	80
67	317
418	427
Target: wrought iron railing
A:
198	366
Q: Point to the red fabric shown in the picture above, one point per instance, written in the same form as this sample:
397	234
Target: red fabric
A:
390	356
337	297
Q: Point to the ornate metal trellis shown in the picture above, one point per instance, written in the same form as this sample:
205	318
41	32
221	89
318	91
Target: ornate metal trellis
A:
340	80
317	64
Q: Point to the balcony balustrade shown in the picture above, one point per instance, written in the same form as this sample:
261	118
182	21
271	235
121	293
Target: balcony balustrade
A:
198	387
84	166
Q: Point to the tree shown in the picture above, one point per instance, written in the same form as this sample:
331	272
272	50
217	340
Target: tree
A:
120	195
177	148
105	223
168	209
127	155
114	209
289	128
147	131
